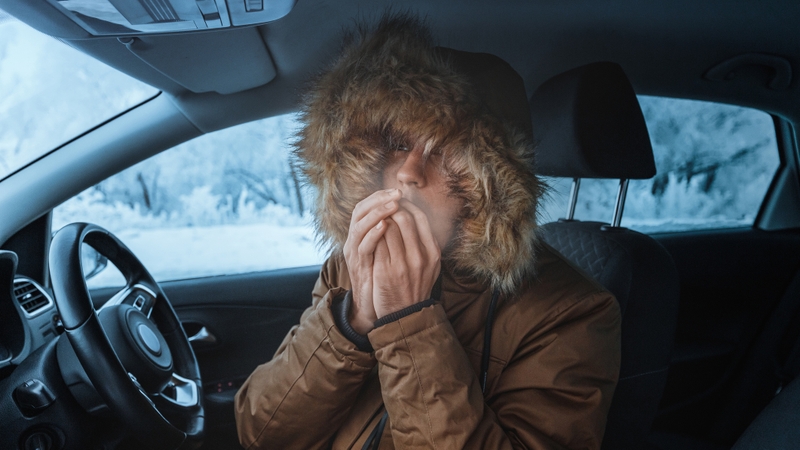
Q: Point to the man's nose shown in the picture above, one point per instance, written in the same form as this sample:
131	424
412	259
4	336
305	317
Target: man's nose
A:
412	171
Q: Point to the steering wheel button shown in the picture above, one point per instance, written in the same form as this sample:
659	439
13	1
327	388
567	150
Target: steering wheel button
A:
149	339
139	302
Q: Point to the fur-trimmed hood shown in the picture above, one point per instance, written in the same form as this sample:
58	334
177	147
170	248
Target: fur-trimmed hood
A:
390	84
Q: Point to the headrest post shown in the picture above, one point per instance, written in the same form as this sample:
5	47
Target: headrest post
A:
620	205
573	198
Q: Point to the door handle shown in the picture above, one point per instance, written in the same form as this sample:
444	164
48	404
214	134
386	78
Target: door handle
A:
203	336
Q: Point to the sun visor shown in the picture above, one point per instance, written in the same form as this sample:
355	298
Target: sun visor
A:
136	17
225	61
587	123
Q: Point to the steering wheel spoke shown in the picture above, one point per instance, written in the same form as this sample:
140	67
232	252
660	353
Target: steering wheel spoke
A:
180	392
137	295
177	400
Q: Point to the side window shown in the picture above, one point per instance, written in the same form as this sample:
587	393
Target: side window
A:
224	203
714	165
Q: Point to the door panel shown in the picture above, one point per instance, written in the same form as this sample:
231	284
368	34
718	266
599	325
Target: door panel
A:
248	315
731	282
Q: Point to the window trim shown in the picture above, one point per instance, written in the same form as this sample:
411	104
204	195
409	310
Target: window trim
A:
784	191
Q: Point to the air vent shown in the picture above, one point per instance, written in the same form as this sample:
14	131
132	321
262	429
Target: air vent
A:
31	297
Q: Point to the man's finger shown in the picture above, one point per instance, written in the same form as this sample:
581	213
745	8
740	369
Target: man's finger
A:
374	201
414	249
423	227
381	256
384	204
366	248
394	244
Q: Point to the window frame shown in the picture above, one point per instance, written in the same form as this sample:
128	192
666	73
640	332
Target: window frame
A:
173	146
784	189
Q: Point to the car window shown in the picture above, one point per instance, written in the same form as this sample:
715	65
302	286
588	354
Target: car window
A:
41	79
227	202
714	165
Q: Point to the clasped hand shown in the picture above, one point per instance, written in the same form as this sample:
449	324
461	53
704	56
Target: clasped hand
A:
391	255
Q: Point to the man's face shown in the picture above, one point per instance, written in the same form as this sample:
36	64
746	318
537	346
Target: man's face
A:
423	184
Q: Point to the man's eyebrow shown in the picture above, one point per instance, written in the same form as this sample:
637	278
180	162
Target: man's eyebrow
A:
430	149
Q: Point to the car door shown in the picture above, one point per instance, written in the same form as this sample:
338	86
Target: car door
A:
740	295
740	299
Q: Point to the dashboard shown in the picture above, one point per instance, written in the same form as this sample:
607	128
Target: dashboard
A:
46	398
28	314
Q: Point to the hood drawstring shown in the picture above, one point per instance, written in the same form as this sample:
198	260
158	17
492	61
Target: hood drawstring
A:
487	340
374	439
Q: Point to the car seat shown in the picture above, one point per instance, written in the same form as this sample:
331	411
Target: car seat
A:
776	427
587	123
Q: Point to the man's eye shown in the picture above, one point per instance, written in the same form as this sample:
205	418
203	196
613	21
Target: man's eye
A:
394	141
397	146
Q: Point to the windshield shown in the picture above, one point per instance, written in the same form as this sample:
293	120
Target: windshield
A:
50	93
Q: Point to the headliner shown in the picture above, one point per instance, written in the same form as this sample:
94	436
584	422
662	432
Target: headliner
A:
665	48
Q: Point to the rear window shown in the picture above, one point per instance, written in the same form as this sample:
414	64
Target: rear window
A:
714	165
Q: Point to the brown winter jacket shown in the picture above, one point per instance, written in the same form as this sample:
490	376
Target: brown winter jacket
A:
555	357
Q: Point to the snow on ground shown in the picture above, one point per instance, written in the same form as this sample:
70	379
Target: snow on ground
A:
190	252
654	226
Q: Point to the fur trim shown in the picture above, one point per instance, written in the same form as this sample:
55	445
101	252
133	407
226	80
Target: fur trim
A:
391	83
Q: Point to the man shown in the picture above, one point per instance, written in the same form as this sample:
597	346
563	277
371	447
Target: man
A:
439	321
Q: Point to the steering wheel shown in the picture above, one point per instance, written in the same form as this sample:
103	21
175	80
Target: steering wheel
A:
133	349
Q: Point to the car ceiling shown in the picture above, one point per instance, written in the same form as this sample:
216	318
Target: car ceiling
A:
665	47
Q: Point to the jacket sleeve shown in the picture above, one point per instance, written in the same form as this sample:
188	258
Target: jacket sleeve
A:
554	393
301	397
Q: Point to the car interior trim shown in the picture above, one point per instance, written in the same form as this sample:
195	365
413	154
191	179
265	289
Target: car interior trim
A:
45	294
223	55
185	392
781	207
778	65
120	297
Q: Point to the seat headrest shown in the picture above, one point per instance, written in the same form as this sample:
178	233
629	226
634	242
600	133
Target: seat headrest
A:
587	123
